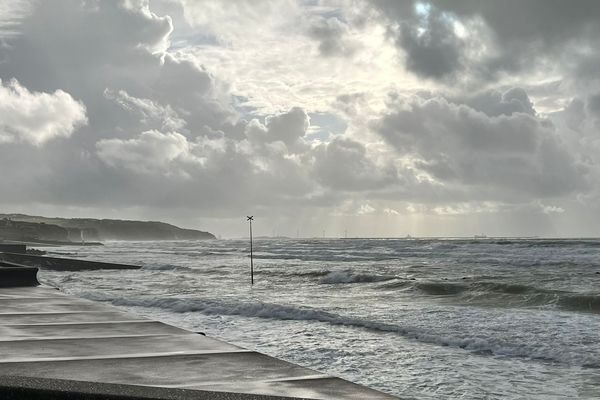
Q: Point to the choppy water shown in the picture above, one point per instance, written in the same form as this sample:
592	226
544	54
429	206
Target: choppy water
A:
425	319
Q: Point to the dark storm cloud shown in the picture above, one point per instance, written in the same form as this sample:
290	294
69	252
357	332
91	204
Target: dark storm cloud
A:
521	32
457	144
432	48
495	103
343	164
288	127
551	23
427	37
593	108
593	105
575	114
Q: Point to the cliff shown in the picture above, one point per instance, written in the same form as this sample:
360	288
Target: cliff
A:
20	227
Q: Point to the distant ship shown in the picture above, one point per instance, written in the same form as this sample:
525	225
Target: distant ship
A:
482	236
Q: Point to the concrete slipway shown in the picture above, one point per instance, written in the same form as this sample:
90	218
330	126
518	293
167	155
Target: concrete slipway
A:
54	346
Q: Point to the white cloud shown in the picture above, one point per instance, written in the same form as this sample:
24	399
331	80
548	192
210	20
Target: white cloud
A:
466	208
11	13
37	117
272	75
150	152
365	209
550	209
231	21
150	113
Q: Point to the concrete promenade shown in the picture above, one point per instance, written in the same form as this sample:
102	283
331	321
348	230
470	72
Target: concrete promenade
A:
55	346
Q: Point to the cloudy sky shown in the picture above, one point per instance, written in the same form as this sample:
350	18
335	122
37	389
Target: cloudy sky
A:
375	117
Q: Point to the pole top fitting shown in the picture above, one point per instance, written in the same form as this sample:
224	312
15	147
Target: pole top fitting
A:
250	218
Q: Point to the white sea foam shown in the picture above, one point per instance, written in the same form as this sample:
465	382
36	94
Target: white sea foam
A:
286	312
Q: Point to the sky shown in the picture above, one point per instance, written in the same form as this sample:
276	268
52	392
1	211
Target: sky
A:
365	118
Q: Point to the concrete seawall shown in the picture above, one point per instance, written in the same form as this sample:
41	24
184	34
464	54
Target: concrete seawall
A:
13	248
15	275
61	264
54	346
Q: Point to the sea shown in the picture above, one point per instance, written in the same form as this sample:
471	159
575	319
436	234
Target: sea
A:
416	318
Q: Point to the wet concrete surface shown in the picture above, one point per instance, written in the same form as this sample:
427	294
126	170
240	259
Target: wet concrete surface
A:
19	388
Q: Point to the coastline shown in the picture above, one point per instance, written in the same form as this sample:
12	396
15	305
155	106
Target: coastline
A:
47	336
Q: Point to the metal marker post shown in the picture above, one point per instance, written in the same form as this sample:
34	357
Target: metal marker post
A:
250	219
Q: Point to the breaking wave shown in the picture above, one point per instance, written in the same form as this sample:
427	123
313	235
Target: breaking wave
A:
498	294
479	345
312	274
166	267
349	277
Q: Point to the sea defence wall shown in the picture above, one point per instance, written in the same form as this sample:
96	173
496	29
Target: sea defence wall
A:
15	275
13	248
61	264
55	346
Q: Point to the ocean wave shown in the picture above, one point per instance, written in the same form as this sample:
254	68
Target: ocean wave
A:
277	257
580	302
350	277
311	274
67	278
479	345
397	284
440	288
216	307
166	267
500	293
566	264
341	256
60	253
196	253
